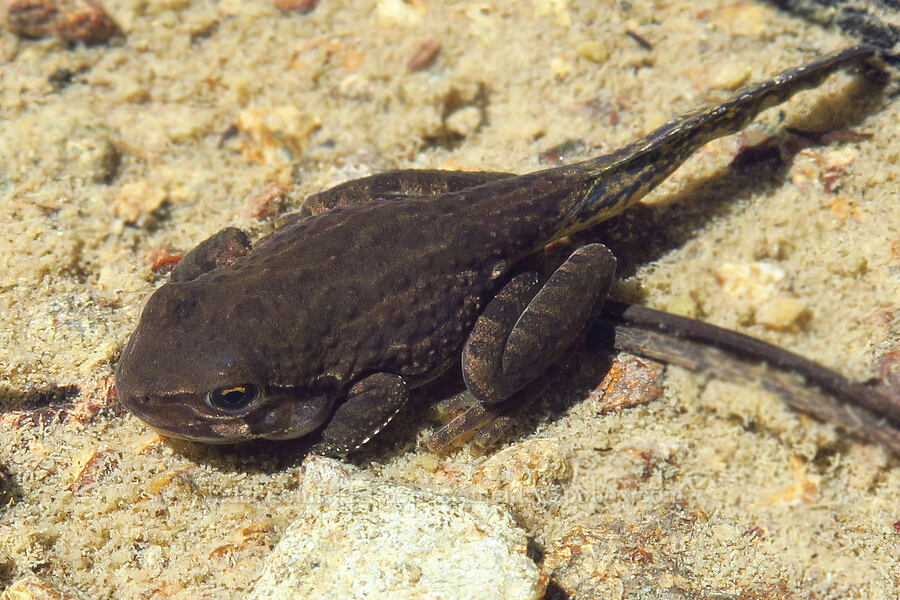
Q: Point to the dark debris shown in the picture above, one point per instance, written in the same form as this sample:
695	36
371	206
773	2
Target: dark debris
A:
73	20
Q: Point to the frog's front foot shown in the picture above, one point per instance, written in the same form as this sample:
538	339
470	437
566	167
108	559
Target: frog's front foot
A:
371	403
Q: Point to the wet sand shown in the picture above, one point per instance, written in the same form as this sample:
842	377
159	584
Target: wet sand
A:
205	114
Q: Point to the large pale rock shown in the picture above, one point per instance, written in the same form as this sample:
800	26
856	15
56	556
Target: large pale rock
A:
360	537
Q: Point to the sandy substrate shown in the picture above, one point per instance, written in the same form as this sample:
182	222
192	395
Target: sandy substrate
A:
160	139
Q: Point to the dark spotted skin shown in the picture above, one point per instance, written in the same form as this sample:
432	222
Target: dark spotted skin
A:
376	286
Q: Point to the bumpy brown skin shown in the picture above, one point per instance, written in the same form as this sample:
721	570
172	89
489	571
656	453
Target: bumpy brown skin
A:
375	287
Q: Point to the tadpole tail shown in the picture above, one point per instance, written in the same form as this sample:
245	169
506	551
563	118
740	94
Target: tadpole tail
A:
703	347
617	181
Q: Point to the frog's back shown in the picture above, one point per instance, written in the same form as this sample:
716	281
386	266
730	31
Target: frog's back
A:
388	286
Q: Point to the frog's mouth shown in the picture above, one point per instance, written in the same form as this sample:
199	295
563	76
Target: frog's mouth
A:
276	414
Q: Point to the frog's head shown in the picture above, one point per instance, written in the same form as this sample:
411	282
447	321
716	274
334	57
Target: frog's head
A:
193	369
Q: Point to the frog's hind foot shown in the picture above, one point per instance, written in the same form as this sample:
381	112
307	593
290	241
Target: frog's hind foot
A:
444	411
469	421
464	426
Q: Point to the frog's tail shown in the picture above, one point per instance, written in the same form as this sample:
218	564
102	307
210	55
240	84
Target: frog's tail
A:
616	181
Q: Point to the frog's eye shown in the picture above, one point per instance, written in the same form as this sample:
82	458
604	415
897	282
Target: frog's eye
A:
232	399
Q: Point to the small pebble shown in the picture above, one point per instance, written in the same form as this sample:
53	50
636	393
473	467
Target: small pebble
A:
593	51
729	76
782	313
300	6
745	18
524	469
684	306
424	54
400	12
100	158
751	281
630	382
33	588
266	203
464	121
138	199
560	67
61	78
272	135
161	259
73	20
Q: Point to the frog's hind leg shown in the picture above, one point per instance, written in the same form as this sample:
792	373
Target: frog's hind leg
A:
371	404
523	330
527	326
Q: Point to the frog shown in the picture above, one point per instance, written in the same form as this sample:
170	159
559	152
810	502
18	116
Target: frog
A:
378	286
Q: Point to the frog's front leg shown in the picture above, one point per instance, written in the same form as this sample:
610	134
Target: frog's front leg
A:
371	403
525	328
